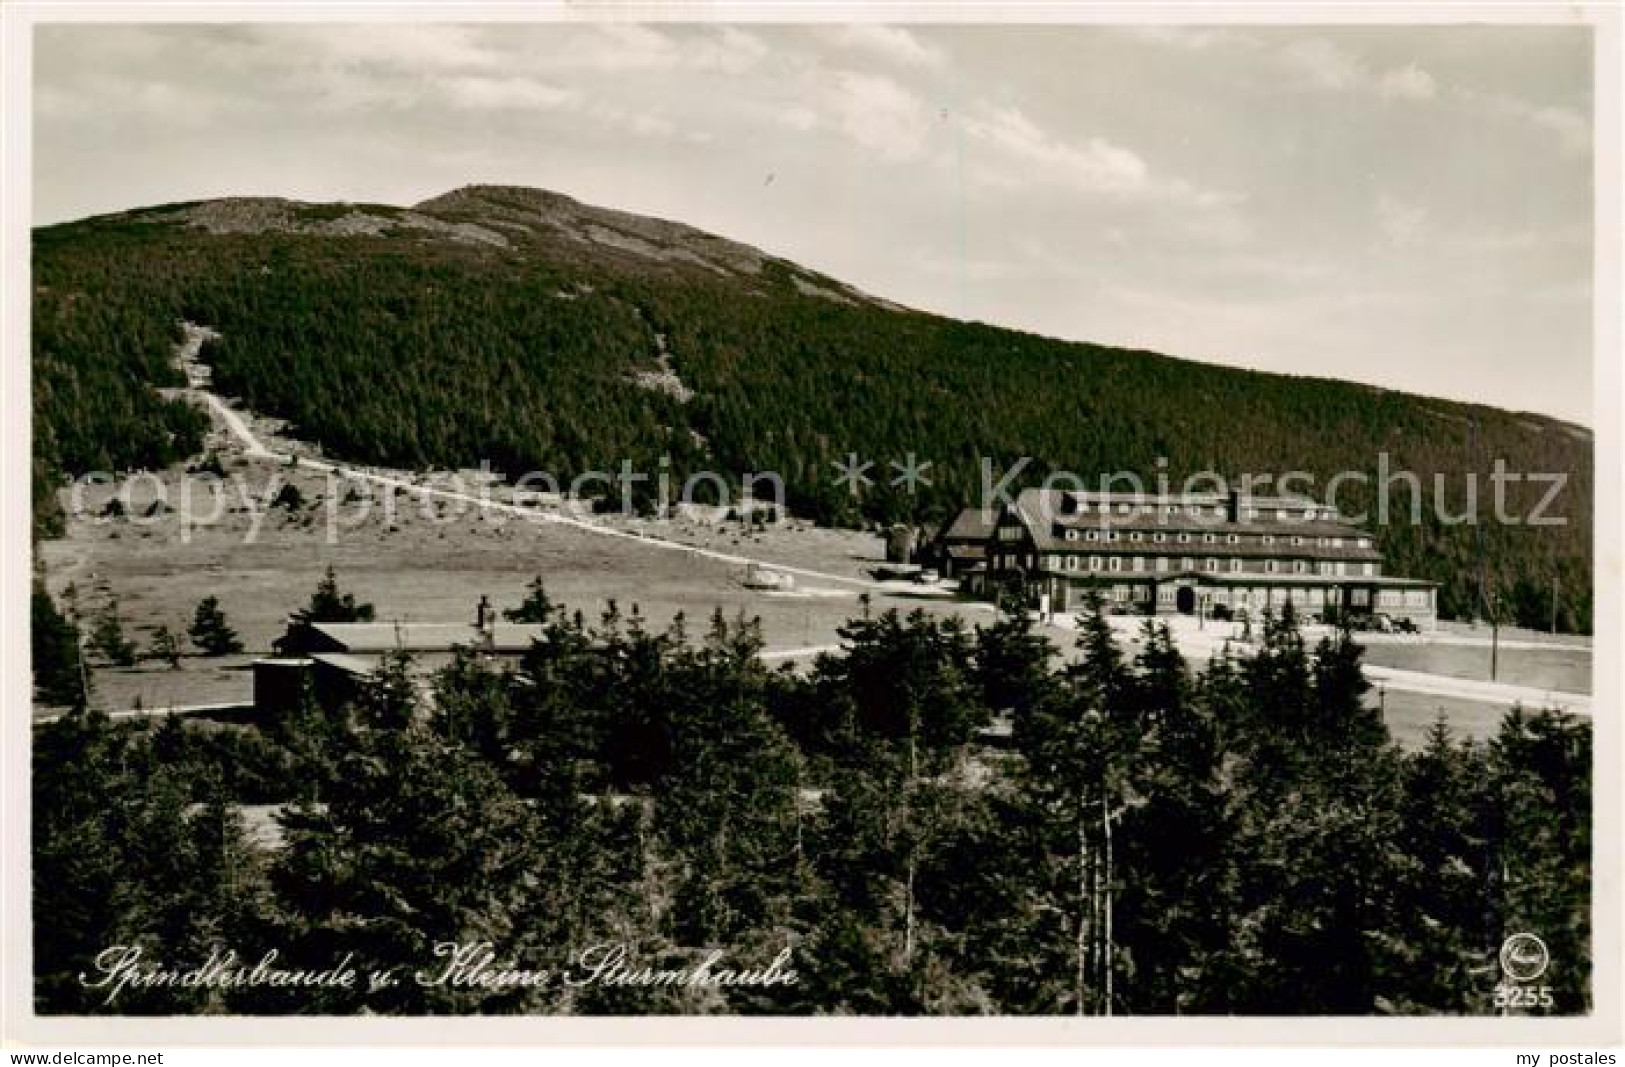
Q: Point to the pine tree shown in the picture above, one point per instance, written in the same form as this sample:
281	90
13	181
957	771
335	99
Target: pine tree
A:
108	640
59	675
537	607
165	647
329	604
209	631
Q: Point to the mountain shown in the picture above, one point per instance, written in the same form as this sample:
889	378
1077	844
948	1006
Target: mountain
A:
540	333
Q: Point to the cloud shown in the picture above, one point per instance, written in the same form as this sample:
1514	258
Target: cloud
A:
484	93
891	43
878	114
1321	64
1407	83
400	46
624	46
1572	129
1022	151
1014	152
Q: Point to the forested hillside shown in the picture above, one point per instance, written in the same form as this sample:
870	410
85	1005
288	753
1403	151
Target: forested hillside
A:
1244	840
512	325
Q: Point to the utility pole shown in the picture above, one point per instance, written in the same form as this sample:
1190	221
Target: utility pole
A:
1495	641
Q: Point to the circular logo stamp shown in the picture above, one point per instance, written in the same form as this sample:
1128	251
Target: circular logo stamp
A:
1524	957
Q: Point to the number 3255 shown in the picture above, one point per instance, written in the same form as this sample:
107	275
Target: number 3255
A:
1518	996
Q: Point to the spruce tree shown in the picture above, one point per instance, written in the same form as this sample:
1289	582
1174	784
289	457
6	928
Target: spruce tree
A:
210	632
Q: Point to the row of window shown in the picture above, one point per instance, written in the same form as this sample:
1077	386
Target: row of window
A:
1313	596
1212	565
1158	537
1309	514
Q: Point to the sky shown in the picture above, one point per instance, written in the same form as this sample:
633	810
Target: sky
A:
1405	206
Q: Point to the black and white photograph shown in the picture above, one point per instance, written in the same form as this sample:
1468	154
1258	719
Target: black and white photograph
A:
570	513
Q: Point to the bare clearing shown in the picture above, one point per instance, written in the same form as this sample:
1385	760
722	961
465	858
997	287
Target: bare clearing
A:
417	565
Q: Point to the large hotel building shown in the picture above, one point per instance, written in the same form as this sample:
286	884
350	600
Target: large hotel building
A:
1191	553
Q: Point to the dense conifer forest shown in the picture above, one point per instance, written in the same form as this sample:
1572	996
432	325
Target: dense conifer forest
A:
1243	839
513	326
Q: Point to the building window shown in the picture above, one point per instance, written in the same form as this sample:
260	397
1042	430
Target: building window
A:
1297	540
1269	539
1271	565
1300	566
1094	563
1184	537
1162	564
1370	569
1094	535
1072	535
1337	542
1159	537
1326	568
1207	538
1124	509
1139	563
1135	536
1235	566
1212	565
1234	539
1072	563
1360	598
1116	563
1365	542
1195	511
1187	564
